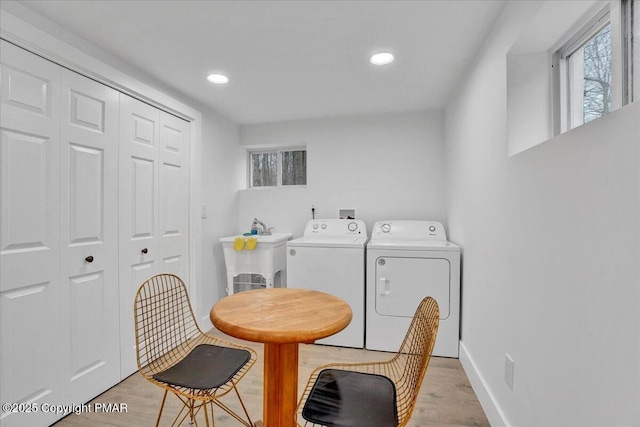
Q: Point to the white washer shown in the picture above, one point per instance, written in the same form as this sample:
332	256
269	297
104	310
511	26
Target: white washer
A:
330	257
407	261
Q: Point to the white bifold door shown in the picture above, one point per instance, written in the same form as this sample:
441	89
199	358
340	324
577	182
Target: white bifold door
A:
94	200
30	279
58	256
153	206
89	235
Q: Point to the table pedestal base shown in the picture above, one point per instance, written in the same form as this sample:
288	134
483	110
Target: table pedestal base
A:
280	384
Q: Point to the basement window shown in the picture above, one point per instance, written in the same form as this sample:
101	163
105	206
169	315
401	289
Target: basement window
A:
278	168
593	70
590	78
585	73
562	73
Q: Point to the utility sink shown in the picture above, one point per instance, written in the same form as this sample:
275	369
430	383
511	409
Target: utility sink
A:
262	238
268	257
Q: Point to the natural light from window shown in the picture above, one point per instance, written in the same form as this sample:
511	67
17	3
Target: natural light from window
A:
593	53
278	168
590	78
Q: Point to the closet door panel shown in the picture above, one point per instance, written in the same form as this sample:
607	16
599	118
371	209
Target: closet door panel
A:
174	196
143	202
139	195
89	234
29	133
30	316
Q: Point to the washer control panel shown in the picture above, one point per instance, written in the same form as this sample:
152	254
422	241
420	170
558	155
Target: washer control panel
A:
409	230
335	228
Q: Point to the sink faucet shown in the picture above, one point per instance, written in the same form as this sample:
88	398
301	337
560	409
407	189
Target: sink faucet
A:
265	230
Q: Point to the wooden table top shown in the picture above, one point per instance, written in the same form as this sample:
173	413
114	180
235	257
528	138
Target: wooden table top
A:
281	315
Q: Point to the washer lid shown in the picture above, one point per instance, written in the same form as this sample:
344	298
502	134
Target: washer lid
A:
413	245
328	242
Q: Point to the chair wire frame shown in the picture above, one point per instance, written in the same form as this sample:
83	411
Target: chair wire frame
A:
166	332
406	369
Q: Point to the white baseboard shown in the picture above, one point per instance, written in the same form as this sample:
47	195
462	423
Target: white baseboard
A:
487	400
205	323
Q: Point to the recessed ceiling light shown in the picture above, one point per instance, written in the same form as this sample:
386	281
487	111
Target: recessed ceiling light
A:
381	58
218	79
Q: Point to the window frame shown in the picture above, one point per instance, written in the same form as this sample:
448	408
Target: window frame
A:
630	12
279	168
619	16
566	115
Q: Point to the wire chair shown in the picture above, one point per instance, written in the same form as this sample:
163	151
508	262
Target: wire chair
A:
375	394
174	353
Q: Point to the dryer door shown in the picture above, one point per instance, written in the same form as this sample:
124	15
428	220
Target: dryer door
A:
401	283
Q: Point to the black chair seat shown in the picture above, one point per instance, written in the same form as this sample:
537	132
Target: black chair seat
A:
205	367
351	399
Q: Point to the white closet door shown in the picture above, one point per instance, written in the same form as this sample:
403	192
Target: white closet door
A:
89	235
174	196
30	326
139	148
154	207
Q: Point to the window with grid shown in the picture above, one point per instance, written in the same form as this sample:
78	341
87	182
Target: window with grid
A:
278	168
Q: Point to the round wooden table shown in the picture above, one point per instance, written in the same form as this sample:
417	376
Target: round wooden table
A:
281	318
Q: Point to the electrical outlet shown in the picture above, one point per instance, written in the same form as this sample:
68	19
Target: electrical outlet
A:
314	206
203	211
509	366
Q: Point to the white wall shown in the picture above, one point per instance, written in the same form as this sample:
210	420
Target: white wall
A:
551	254
528	100
385	166
223	174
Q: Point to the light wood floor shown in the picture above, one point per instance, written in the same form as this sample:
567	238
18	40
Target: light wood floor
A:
446	398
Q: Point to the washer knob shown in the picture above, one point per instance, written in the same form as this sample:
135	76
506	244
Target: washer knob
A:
324	226
386	228
352	226
432	228
315	226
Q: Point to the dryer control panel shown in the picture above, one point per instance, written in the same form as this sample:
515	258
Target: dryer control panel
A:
335	228
408	230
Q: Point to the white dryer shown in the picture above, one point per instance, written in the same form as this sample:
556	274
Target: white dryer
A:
407	261
330	257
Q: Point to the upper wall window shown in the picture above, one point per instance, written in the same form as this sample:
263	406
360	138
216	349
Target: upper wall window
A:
594	60
586	69
276	168
592	70
573	63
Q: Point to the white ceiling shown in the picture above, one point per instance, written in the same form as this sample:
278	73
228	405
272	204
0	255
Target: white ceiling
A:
289	59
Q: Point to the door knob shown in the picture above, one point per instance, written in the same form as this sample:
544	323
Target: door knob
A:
89	258
145	250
